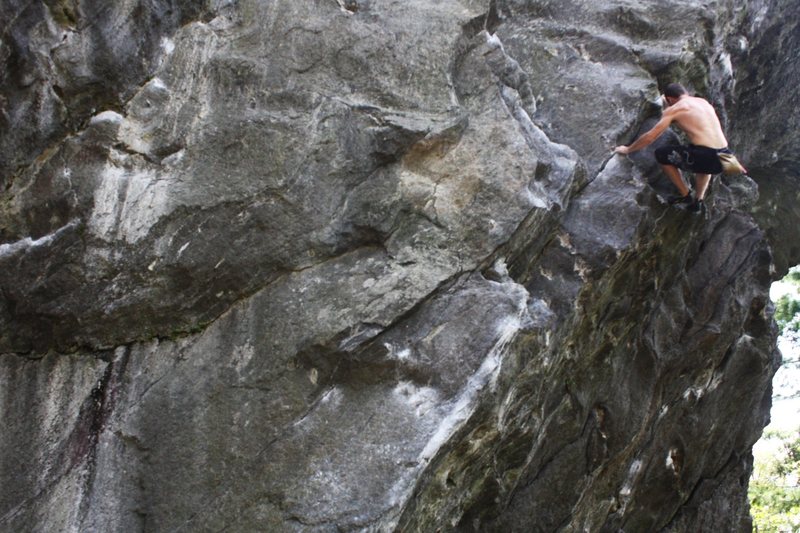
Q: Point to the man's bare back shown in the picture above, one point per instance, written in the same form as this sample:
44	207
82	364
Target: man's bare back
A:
697	118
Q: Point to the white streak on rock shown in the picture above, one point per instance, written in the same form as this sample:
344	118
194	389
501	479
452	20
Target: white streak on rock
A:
127	204
13	248
167	45
693	393
184	247
462	408
627	487
158	84
106	117
727	66
670	462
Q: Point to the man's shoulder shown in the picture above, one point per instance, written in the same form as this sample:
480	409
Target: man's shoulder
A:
696	102
674	110
685	107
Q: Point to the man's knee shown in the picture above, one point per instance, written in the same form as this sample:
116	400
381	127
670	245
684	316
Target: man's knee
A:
663	155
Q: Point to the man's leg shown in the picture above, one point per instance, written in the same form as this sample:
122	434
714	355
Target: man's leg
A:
701	182
675	177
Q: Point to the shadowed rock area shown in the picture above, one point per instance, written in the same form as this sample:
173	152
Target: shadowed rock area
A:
351	265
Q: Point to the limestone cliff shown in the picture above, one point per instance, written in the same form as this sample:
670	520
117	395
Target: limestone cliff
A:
367	265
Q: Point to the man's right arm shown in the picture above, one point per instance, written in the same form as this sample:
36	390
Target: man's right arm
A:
650	136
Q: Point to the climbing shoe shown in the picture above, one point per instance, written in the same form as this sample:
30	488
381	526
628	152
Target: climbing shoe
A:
698	207
687	200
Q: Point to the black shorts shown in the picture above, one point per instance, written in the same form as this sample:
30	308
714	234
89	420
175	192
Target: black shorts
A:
699	159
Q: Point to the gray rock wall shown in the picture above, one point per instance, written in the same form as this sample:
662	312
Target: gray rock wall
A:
768	134
358	265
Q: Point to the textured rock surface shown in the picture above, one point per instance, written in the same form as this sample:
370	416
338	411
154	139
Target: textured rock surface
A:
768	134
360	265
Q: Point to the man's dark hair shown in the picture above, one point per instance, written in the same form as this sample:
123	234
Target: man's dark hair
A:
675	90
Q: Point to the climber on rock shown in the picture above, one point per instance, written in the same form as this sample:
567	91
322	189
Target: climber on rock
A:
707	154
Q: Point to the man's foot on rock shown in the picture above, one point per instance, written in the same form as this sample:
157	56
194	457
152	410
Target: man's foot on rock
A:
698	207
687	200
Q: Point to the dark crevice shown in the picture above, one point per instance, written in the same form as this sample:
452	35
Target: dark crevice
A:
158	155
351	6
693	494
81	447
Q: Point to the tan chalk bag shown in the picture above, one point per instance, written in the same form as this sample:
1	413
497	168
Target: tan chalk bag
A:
731	165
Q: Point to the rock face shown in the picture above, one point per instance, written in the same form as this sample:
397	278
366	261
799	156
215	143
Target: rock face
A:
351	265
768	134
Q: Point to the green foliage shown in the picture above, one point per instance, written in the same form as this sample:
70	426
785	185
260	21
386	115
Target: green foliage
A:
787	308
774	490
787	313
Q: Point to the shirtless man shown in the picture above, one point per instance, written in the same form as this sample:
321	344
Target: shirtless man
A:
697	118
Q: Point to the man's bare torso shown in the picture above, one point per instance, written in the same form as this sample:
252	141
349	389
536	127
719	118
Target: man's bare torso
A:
697	118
